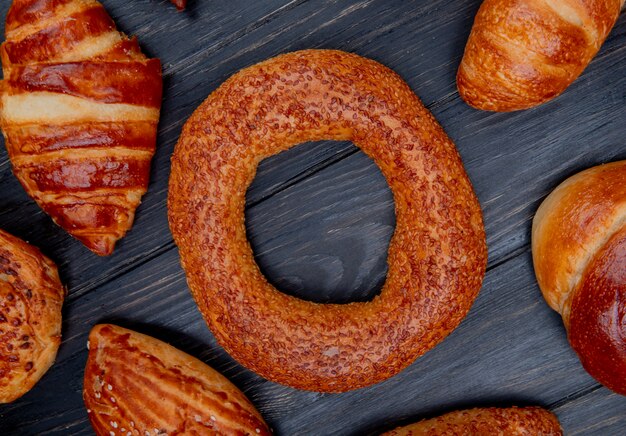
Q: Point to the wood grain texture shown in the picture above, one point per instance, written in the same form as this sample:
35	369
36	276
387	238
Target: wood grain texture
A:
336	218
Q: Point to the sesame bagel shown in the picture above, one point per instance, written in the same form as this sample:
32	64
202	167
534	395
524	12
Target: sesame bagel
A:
436	257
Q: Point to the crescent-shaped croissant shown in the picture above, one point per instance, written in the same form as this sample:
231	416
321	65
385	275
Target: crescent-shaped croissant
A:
522	53
80	106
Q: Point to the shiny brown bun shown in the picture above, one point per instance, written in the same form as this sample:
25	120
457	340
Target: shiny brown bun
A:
436	257
31	296
579	252
492	421
522	53
79	111
135	385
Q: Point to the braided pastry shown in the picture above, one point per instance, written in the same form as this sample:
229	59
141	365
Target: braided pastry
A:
137	385
80	107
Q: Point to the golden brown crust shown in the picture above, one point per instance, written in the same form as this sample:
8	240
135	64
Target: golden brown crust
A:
579	258
490	421
135	385
436	258
31	296
80	107
522	53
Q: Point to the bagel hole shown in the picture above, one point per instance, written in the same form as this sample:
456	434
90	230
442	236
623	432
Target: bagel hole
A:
319	218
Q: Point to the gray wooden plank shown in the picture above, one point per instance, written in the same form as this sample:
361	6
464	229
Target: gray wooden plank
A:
599	413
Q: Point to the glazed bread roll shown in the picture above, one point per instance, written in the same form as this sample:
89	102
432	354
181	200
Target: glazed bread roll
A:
79	110
522	53
137	385
31	296
491	421
579	252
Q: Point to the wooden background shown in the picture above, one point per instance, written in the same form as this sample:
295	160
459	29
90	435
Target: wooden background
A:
320	217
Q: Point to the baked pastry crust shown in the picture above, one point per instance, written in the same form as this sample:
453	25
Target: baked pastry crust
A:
437	255
79	111
31	296
522	53
135	384
488	421
579	253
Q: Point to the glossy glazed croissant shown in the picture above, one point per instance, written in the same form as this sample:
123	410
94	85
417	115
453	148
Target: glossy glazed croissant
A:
137	385
31	296
510	421
522	53
579	252
80	107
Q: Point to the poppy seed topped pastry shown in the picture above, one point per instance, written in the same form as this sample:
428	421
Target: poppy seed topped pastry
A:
79	111
31	296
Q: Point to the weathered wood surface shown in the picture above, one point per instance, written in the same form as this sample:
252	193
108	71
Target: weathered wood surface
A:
320	217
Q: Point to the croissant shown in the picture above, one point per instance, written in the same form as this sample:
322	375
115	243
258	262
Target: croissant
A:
522	53
490	421
79	109
180	4
31	296
135	384
579	253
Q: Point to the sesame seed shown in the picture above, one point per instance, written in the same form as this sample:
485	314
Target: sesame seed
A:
197	418
88	410
213	418
147	433
88	345
98	395
112	400
132	423
112	433
114	424
109	387
129	434
258	430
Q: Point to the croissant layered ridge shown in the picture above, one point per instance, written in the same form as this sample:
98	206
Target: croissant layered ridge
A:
522	53
80	105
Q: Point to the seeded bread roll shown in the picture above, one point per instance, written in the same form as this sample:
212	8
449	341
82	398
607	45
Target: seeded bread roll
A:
31	296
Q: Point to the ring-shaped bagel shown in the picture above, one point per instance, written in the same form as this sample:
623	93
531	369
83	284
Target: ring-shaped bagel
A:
436	257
